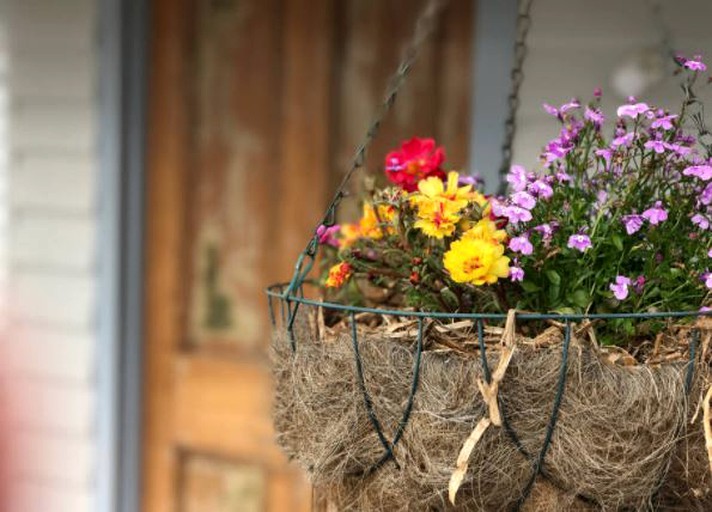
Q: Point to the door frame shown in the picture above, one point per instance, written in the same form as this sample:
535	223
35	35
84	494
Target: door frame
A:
122	65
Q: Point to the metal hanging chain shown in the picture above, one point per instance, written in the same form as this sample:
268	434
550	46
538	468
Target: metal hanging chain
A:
425	26
517	76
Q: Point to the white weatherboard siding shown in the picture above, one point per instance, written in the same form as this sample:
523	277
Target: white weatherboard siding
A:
51	259
575	45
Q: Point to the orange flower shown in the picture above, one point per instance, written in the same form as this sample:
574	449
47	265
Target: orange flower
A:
338	275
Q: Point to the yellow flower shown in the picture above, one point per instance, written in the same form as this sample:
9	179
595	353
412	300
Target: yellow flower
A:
338	275
437	219
370	223
349	234
485	229
433	189
439	205
476	261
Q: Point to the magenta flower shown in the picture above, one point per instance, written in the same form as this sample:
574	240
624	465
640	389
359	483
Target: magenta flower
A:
664	123
327	235
516	274
541	188
516	214
580	242
678	149
656	145
474	180
707	278
562	176
623	140
559	112
620	287
639	284
632	110
706	195
632	223
695	63
656	215
546	230
521	244
701	221
524	199
517	178
595	116
709	253
597	92
704	172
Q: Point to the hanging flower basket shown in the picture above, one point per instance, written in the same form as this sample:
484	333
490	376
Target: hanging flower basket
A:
544	349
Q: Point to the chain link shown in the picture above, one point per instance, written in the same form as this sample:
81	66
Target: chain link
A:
517	77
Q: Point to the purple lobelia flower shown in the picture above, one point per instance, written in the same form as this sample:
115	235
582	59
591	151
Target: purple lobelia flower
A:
704	172
475	180
559	112
516	273
706	195
707	278
663	123
656	214
632	110
562	176
516	214
524	199
709	253
595	116
695	63
546	231
541	188
580	242
701	221
620	287
623	140
639	284
521	244
632	223
517	178
656	145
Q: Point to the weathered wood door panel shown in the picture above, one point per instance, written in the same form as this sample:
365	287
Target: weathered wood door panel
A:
255	106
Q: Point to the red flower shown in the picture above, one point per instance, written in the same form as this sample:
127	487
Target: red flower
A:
416	159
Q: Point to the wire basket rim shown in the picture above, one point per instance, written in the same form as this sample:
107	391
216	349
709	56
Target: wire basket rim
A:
278	291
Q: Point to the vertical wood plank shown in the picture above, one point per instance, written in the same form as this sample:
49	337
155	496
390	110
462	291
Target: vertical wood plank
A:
168	140
306	126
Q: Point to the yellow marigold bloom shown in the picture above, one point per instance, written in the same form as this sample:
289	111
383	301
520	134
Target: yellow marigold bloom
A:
370	223
439	205
476	261
437	219
338	275
433	189
485	229
349	234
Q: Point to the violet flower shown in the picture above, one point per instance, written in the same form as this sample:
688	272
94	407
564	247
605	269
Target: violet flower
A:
517	178
656	145
595	116
524	199
707	278
706	195
639	284
521	244
516	214
620	287
623	140
541	188
656	214
580	242
701	221
695	64
664	123
632	223
703	172
632	110
516	274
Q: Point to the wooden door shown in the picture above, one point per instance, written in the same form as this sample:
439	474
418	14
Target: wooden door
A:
254	108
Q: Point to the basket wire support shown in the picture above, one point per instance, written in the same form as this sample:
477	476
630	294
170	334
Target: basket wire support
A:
368	401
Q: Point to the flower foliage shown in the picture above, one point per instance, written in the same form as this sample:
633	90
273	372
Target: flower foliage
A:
617	219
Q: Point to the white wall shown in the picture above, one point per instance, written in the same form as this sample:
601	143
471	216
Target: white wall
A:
575	45
52	267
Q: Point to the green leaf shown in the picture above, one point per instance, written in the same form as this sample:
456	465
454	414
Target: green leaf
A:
617	241
530	287
450	297
554	277
580	298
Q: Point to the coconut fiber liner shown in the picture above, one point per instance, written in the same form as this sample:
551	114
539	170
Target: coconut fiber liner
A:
628	437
